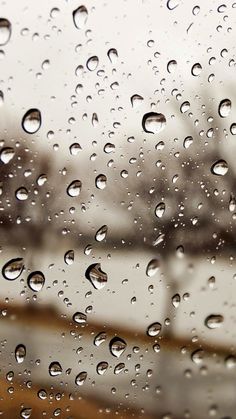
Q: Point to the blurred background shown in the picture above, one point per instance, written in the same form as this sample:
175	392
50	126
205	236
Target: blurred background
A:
117	209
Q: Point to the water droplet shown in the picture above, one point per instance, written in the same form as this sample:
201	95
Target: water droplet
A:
154	329
36	281
80	378
119	368
233	129
176	300
92	63
75	148
117	346
101	233
74	188
20	353
13	269
112	55
214	321
102	367
69	257
5	31
31	121
79	317
185	107
224	108
220	168
171	66
152	267
230	361
42	179
101	181
172	4
136	101
188	141
153	122
80	17
232	204
196	69
197	356
96	276
7	154
22	194
160	209
55	369
26	413
100	338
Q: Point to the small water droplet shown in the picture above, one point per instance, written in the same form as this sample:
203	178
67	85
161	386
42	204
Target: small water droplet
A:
75	148
136	101
69	257
101	233
176	300
26	413
13	269
74	188
197	356
80	17
160	209
230	361
100	338
55	369
96	276
117	346
112	55
102	367
196	69
36	281
92	63
7	154
171	66
101	181
224	108
172	4
214	321
185	107
154	329
188	141
153	122
233	129
220	168
5	31
119	368
31	121
152	267
80	378
20	353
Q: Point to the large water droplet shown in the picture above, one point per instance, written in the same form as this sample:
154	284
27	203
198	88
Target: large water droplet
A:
69	257
36	281
79	317
220	168
160	209
117	346
22	194
13	269
5	31
101	233
6	154
224	108
92	63
20	353
31	121
96	276
74	188
154	329
80	17
55	369
80	378
214	321
102	367
101	181
152	267
153	122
